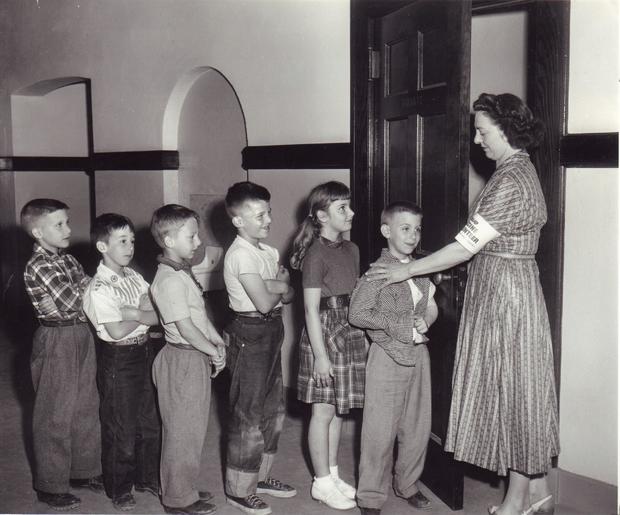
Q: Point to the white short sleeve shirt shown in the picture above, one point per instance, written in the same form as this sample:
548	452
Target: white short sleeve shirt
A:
244	258
107	293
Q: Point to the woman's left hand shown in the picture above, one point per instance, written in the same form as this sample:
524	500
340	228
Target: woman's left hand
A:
388	272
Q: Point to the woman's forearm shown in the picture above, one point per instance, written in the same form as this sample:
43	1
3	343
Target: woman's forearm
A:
451	255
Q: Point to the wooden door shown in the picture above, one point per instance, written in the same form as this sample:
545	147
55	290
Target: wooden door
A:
419	104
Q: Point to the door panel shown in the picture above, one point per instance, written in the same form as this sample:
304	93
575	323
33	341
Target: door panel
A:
422	115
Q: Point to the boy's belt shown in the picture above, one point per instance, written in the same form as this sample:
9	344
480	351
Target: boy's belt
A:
134	340
334	302
257	314
60	323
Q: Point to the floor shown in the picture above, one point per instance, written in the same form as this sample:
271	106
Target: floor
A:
17	496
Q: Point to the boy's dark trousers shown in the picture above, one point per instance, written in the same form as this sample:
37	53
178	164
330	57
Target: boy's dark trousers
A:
256	401
130	427
65	420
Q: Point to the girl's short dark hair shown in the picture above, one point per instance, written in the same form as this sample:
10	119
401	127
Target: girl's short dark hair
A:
521	128
106	223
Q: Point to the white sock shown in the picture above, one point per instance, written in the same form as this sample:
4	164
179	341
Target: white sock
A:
333	471
325	481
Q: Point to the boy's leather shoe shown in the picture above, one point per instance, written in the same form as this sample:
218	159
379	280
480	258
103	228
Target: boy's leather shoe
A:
205	496
60	502
147	487
370	511
124	502
419	501
198	508
94	484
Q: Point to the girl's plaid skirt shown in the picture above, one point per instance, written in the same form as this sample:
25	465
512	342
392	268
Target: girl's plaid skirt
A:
347	349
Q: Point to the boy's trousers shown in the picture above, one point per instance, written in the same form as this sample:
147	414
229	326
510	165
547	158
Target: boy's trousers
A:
130	428
183	380
397	407
65	419
255	400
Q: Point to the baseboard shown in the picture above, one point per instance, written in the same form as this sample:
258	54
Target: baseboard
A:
584	494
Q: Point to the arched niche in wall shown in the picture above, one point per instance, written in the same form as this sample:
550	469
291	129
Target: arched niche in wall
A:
204	121
49	118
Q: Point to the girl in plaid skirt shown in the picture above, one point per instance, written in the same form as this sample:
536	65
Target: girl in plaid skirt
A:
332	355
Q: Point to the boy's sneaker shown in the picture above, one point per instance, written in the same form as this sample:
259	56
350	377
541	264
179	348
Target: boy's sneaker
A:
275	488
60	502
94	484
124	502
148	488
205	496
251	504
197	508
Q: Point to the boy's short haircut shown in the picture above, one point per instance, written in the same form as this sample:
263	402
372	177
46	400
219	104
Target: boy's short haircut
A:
168	219
245	191
37	208
105	224
400	206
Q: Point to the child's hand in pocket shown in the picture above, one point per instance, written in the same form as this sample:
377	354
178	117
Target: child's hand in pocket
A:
420	325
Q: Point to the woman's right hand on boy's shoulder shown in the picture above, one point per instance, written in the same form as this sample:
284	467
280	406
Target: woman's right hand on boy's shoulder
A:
323	372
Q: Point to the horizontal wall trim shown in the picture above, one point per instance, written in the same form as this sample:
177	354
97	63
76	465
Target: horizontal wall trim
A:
589	150
132	160
309	156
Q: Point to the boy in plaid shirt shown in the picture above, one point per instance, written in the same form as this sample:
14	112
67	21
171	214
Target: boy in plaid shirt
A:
66	431
398	378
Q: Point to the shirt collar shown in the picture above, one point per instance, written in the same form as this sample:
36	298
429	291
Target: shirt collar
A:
174	264
107	273
332	244
42	250
246	243
387	255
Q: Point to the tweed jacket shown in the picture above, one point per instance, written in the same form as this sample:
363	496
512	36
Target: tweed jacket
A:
387	313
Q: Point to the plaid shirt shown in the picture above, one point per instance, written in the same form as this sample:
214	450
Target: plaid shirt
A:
59	277
387	314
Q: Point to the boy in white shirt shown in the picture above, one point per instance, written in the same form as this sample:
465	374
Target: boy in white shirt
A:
117	304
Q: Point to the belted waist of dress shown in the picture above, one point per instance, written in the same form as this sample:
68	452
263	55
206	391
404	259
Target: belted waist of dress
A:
507	255
334	302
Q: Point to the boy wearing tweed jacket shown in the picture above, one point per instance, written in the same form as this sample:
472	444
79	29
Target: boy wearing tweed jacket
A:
398	384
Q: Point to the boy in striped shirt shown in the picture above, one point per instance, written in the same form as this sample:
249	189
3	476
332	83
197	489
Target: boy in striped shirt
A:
117	303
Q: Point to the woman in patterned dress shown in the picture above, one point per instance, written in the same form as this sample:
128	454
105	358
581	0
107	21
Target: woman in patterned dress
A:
504	408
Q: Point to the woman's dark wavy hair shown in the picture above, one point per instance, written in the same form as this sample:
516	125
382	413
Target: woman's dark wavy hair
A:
319	200
521	128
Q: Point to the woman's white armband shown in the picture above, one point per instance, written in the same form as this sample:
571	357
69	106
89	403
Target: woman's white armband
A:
476	234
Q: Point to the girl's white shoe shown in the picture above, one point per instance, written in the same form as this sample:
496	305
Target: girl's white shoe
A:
345	488
328	493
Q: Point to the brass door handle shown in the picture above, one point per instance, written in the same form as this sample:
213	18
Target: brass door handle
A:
440	277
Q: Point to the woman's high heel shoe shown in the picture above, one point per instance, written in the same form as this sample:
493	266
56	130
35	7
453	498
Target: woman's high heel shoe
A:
537	507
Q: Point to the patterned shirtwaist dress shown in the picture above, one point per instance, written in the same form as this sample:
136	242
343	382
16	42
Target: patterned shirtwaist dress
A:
504	407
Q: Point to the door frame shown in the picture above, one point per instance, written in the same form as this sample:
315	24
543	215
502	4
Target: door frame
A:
547	95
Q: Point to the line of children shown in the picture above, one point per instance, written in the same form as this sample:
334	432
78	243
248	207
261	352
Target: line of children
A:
334	376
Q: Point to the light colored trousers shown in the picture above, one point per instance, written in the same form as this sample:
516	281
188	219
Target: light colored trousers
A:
183	381
397	408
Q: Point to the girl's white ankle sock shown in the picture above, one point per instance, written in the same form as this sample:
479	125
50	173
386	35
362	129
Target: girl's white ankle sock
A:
333	471
323	482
